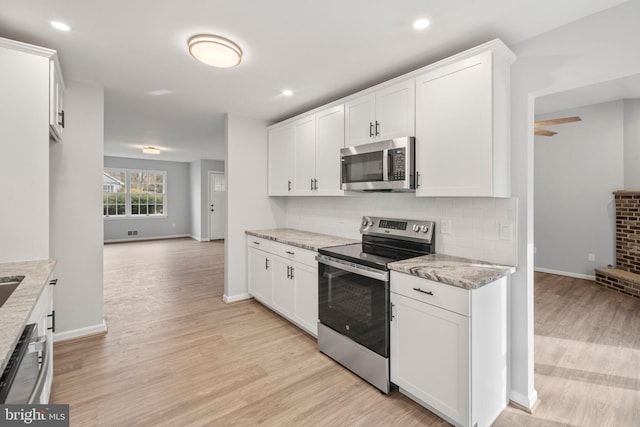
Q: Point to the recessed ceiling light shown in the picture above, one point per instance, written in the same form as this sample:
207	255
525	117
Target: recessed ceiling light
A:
159	92
151	150
215	50
60	26
287	92
421	24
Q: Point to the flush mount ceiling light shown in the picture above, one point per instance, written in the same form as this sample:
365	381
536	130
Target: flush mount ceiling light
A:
287	92
151	150
215	50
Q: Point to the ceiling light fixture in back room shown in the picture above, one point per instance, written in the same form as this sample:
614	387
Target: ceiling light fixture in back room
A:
150	150
215	50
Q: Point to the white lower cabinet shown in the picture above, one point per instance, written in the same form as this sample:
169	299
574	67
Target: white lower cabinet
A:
44	316
448	347
285	279
259	271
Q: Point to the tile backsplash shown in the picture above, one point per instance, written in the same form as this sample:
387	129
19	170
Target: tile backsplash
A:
479	228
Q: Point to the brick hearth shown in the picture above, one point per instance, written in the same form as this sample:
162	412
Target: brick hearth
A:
625	277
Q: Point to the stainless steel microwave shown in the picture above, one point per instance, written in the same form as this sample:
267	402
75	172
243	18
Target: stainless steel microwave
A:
379	166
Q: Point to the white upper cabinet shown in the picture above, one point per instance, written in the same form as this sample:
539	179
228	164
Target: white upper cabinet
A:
462	125
385	114
329	141
304	155
56	101
457	109
281	160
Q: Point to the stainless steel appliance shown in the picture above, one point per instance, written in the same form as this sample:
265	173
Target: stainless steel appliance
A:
23	378
379	166
354	293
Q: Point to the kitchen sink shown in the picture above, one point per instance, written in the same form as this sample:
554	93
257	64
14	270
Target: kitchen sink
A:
7	286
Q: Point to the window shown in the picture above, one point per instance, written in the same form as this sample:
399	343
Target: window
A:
134	193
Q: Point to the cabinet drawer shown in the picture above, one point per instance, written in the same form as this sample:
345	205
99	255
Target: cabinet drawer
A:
441	295
294	253
259	243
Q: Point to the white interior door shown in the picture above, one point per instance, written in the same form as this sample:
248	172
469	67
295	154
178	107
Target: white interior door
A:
217	188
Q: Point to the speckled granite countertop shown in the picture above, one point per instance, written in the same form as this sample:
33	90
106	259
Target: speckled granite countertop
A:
300	238
462	272
16	310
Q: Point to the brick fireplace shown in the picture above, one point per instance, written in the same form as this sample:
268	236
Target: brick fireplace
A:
625	278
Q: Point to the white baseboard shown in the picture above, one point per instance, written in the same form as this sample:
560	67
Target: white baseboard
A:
135	239
526	402
81	332
235	298
565	273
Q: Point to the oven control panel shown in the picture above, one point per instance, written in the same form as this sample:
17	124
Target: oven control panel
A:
399	228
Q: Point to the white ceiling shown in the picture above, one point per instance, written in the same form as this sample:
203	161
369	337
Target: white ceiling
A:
322	50
612	90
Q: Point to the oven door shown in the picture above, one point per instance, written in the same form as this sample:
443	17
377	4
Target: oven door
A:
354	301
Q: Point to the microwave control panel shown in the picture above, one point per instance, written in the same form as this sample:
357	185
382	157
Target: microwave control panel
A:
397	164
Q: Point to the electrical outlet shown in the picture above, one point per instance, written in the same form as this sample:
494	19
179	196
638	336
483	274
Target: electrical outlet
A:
591	257
506	231
445	226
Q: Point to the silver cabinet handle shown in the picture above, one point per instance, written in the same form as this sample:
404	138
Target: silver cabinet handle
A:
292	269
288	185
370	129
423	291
266	263
256	243
417	179
377	128
290	253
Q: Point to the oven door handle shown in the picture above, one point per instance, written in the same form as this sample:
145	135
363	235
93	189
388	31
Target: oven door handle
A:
42	374
331	262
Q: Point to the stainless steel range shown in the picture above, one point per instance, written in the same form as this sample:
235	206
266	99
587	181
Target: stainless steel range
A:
353	293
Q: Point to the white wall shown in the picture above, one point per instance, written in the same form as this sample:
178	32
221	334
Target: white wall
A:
475	222
576	171
631	144
594	49
24	156
195	191
248	206
177	222
76	213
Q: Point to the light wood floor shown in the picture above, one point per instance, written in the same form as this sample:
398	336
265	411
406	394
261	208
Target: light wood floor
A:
176	355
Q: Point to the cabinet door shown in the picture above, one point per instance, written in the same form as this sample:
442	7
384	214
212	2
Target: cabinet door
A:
454	137
430	356
259	275
329	141
282	287
360	117
395	111
305	311
281	160
40	315
56	99
305	154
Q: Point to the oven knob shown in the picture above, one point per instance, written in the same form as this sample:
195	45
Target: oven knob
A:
364	222
424	228
416	227
370	223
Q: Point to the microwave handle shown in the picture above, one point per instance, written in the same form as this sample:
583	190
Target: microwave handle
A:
386	157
